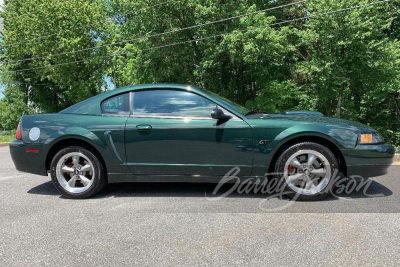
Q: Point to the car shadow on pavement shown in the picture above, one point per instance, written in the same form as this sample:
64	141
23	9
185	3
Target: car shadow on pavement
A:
371	190
201	190
46	188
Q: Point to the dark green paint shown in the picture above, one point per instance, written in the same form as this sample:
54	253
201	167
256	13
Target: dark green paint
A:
200	146
143	147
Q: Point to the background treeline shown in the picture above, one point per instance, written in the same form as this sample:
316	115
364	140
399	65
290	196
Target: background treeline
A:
345	64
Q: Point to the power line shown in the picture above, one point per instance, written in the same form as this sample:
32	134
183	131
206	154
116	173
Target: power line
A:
87	25
210	37
43	84
160	34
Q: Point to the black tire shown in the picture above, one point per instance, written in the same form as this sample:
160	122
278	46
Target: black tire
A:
99	177
285	156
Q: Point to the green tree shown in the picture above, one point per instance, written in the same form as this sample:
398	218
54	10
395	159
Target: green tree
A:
344	64
348	66
239	66
2	109
13	106
44	29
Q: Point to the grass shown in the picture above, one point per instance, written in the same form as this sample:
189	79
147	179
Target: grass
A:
6	137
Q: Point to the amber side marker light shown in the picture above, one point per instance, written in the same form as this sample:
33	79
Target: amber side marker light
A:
366	139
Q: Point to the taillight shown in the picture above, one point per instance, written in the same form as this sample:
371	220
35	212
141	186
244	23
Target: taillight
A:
18	134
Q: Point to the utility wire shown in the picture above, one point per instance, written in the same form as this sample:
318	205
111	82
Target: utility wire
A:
88	25
159	34
42	84
210	37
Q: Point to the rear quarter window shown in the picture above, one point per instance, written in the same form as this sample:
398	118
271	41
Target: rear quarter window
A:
117	105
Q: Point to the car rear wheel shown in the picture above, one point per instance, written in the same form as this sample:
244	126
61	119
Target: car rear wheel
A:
77	172
307	171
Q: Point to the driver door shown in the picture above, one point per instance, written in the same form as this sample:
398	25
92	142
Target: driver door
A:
171	132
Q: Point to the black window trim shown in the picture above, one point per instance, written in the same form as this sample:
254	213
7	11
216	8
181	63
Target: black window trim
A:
103	113
132	115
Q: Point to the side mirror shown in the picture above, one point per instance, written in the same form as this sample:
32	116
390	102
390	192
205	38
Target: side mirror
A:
218	114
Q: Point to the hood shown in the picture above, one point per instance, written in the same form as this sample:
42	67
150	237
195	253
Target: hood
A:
307	116
297	114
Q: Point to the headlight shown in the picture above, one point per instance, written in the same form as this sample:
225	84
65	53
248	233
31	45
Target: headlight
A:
369	139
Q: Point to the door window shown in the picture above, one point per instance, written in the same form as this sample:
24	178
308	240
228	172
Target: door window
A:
170	103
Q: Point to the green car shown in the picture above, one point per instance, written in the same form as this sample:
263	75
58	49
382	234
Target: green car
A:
177	133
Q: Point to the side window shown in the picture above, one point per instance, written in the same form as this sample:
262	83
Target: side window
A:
171	103
117	105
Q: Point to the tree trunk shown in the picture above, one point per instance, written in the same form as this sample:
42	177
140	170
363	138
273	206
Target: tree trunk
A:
329	108
339	105
115	81
253	91
115	77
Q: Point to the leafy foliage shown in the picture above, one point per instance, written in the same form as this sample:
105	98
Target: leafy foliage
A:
344	64
7	136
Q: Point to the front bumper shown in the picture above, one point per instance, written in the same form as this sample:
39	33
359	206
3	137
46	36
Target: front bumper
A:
25	160
368	160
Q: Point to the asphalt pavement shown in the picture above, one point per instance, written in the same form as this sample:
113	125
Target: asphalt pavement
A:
185	225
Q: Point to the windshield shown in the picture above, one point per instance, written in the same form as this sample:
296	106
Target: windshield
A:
229	103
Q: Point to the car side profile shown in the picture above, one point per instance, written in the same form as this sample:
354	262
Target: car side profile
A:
179	133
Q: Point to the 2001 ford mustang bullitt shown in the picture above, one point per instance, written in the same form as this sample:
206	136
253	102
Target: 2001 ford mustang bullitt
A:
176	133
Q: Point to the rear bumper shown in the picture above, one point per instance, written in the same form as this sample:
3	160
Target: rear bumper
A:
369	160
26	159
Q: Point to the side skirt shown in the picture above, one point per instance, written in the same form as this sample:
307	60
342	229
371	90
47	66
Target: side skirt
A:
129	178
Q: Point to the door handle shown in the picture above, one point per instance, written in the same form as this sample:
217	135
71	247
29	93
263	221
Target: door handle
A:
143	127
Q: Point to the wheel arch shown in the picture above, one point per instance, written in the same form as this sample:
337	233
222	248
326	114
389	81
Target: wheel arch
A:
72	141
314	139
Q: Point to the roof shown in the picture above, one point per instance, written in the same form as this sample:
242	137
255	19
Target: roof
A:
92	105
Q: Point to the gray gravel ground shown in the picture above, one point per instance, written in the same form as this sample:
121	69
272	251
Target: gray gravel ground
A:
176	224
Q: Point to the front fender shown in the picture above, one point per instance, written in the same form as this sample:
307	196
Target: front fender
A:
342	138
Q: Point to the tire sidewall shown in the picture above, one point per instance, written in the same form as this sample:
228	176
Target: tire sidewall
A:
284	157
97	166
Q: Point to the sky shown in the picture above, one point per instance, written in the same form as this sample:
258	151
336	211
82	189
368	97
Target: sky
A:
1	20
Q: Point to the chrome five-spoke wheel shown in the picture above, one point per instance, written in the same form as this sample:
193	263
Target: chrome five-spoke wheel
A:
75	172
78	172
307	172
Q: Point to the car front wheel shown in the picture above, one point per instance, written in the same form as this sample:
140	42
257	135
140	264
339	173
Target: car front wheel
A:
307	171
77	172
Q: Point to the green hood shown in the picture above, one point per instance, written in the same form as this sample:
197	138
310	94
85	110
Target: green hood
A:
309	116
